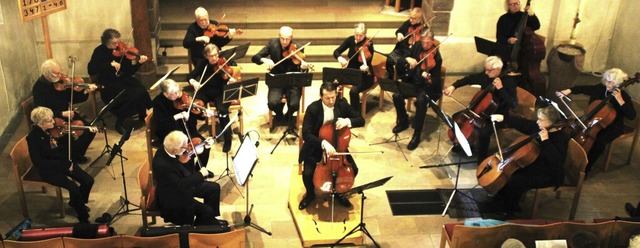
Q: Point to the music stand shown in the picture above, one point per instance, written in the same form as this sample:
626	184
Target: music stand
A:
491	48
240	51
124	201
243	163
107	148
287	80
402	88
348	76
363	226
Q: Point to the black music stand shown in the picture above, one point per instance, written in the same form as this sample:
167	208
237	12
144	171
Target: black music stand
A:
107	148
407	90
346	76
491	48
240	51
124	201
362	226
296	79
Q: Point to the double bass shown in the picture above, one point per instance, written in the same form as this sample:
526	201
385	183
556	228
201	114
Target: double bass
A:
334	174
527	53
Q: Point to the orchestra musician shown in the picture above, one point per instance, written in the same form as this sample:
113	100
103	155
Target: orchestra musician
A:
168	118
547	169
621	103
271	52
508	22
504	95
213	90
353	43
116	73
427	82
54	166
51	91
178	183
195	38
407	35
325	110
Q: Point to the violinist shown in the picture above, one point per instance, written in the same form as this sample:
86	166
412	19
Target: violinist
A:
116	73
195	38
426	79
177	184
547	169
54	166
354	43
504	95
51	90
212	91
325	110
274	51
168	118
407	35
621	103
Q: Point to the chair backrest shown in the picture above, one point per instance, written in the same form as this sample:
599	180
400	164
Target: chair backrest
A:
526	103
379	65
635	123
112	242
27	106
574	164
20	157
145	178
169	241
150	133
47	243
233	239
623	231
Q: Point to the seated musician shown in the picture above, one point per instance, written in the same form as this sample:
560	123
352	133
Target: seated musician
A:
178	183
116	73
274	51
504	95
508	22
407	35
168	118
426	79
54	165
212	91
621	103
195	38
353	43
324	111
548	168
53	92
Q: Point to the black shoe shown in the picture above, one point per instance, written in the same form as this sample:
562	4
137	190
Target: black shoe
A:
85	207
630	209
82	160
344	201
401	126
105	218
415	141
220	222
306	201
227	146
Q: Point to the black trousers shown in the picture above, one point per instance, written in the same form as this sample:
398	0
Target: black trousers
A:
309	169
134	101
204	212
604	137
421	104
78	194
293	100
354	93
522	181
210	94
78	147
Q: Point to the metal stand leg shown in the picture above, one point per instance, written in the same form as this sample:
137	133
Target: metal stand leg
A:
395	138
227	173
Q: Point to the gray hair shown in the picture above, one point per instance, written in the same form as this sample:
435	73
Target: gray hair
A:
40	115
167	85
550	113
47	67
209	48
494	62
360	28
614	75
174	140
201	12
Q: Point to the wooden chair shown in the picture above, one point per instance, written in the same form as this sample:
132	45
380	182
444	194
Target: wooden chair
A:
27	107
47	243
112	242
235	106
443	76
147	194
574	166
231	239
397	4
622	232
168	241
378	63
526	104
150	134
630	130
27	174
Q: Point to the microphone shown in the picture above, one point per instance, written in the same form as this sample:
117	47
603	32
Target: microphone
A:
117	148
497	118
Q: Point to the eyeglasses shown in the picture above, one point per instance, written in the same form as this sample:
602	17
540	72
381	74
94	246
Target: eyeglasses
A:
514	4
213	55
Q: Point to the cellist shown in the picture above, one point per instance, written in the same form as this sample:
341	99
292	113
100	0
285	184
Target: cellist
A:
325	110
621	103
547	169
353	43
504	95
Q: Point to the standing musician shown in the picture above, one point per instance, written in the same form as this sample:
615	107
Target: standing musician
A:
178	183
504	95
508	22
353	43
116	74
54	166
407	35
271	52
51	91
195	38
426	79
213	90
325	110
621	103
547	169
168	118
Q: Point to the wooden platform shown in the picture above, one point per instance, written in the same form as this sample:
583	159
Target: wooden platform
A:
314	223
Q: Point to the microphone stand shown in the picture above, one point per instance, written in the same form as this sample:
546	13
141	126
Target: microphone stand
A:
107	148
124	201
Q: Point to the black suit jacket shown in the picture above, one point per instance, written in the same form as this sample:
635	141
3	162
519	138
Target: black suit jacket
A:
49	160
175	182
273	50
313	119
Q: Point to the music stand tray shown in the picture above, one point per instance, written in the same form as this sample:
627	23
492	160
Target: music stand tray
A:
240	89
240	51
405	89
344	76
491	48
289	79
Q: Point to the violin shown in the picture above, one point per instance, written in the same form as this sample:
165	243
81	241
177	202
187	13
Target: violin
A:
130	53
334	174
296	55
61	127
220	30
196	148
77	82
429	56
184	101
223	66
365	54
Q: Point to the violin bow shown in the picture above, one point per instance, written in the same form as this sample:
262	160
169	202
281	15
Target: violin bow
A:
202	84
124	55
362	47
73	72
435	48
425	24
291	54
164	77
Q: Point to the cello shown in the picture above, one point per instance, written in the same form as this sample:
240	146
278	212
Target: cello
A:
334	174
472	118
